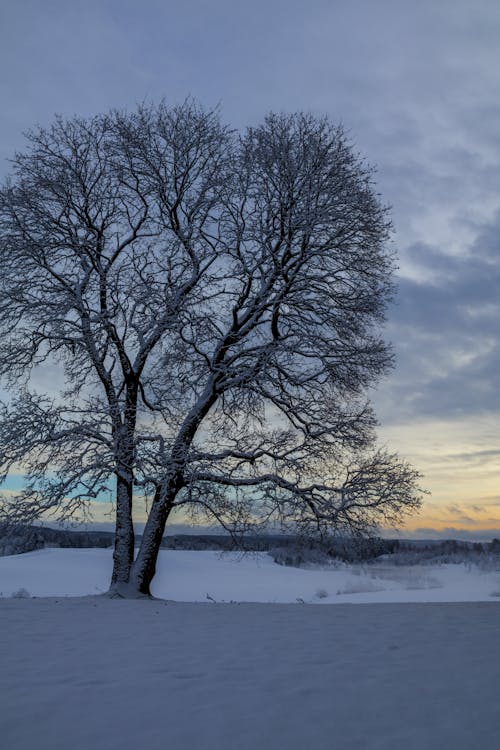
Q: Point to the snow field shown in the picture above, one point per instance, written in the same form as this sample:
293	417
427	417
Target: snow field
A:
94	673
86	672
194	576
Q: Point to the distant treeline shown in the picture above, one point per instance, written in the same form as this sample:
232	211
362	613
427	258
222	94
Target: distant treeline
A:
18	539
285	550
15	540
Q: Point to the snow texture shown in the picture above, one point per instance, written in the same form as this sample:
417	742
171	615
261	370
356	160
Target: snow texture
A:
84	672
81	673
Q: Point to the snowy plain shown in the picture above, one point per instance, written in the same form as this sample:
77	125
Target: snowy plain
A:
195	576
86	672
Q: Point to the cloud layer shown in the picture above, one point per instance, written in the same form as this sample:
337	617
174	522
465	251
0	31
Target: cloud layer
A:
417	86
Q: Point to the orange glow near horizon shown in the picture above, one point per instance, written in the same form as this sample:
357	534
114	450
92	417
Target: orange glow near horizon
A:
460	463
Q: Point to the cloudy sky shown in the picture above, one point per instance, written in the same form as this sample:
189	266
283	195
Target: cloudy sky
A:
418	87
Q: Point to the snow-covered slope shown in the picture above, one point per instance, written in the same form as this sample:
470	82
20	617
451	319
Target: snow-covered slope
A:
204	576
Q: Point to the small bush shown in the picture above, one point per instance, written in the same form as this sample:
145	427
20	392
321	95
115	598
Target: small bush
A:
321	594
21	594
298	556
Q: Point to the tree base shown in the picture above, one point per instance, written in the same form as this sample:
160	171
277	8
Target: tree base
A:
126	591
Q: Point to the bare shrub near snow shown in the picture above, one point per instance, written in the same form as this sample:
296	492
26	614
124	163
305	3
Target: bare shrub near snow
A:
21	593
215	302
298	556
321	594
360	587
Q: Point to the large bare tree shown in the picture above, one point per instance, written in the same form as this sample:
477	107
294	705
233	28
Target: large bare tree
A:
213	301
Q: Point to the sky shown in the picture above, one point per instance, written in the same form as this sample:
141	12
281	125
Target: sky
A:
417	86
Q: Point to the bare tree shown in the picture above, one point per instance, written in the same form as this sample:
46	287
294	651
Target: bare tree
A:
215	301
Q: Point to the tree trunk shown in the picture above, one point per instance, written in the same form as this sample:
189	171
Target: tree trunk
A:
144	567
123	555
123	434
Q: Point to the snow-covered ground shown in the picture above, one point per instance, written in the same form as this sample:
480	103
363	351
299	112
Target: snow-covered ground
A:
99	674
187	576
91	673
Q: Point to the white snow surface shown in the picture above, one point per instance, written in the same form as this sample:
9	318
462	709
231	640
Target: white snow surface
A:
189	576
84	672
94	673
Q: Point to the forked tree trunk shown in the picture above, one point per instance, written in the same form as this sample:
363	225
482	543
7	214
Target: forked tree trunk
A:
134	579
143	569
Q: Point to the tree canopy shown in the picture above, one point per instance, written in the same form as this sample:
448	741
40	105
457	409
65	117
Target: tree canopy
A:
213	301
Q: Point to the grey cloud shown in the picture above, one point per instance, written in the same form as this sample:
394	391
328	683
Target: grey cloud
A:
472	457
447	334
415	83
